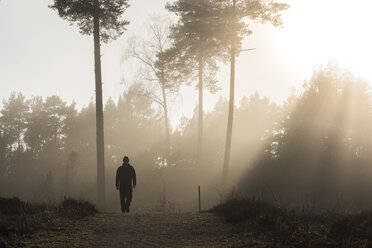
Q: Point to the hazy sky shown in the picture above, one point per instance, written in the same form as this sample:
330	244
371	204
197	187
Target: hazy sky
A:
40	54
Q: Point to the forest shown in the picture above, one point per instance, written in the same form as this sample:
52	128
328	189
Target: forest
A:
291	173
313	149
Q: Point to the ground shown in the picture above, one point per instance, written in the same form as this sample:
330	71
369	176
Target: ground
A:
237	223
116	230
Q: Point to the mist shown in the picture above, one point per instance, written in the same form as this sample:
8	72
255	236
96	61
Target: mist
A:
130	167
312	149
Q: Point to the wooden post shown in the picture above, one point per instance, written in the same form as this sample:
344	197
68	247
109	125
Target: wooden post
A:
199	199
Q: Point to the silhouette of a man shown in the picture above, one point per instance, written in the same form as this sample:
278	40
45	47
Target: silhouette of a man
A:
125	182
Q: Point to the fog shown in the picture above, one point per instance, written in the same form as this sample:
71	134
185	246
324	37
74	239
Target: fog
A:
314	149
311	151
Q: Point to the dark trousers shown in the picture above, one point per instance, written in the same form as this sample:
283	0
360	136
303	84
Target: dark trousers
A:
125	198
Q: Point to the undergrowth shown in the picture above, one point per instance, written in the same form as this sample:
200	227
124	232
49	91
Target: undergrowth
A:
18	218
290	229
75	209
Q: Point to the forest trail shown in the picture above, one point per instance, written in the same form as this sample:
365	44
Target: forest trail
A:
114	230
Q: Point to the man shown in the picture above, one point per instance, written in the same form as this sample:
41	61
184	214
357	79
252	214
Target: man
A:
125	182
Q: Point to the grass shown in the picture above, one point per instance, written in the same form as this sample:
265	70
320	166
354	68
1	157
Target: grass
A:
76	209
249	210
289	229
14	206
18	218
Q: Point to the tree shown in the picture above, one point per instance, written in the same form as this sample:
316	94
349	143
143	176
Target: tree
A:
102	18
322	146
36	127
46	126
196	48
137	114
3	145
233	20
155	72
13	124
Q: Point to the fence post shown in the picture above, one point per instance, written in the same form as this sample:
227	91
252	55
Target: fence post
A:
199	199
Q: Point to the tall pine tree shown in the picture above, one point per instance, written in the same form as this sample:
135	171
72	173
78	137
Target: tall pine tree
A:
234	18
196	48
102	18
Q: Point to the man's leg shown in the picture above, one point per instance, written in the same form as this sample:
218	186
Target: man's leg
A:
126	201
129	199
122	200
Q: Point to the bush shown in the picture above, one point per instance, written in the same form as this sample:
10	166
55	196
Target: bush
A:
249	210
357	226
288	229
76	209
14	206
18	217
11	206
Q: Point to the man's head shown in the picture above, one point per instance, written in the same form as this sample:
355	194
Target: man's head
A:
126	159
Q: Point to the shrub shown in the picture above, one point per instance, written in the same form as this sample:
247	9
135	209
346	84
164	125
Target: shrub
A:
75	209
249	210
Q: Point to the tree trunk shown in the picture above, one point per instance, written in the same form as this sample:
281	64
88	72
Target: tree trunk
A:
200	119
165	106
230	118
101	199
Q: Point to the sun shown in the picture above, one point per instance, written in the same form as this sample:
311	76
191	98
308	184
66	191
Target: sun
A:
319	30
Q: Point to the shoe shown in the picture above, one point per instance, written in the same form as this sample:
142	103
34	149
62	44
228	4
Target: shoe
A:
127	209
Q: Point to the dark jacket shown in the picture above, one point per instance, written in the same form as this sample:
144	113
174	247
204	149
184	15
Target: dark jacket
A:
125	175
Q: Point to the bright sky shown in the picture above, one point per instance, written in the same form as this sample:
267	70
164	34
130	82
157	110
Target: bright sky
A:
40	54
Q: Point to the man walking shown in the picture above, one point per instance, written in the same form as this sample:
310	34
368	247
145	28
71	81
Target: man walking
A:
125	179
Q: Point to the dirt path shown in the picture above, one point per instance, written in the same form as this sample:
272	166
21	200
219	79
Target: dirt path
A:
114	230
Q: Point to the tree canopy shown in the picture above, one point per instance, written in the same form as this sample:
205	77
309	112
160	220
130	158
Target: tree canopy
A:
81	12
194	39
